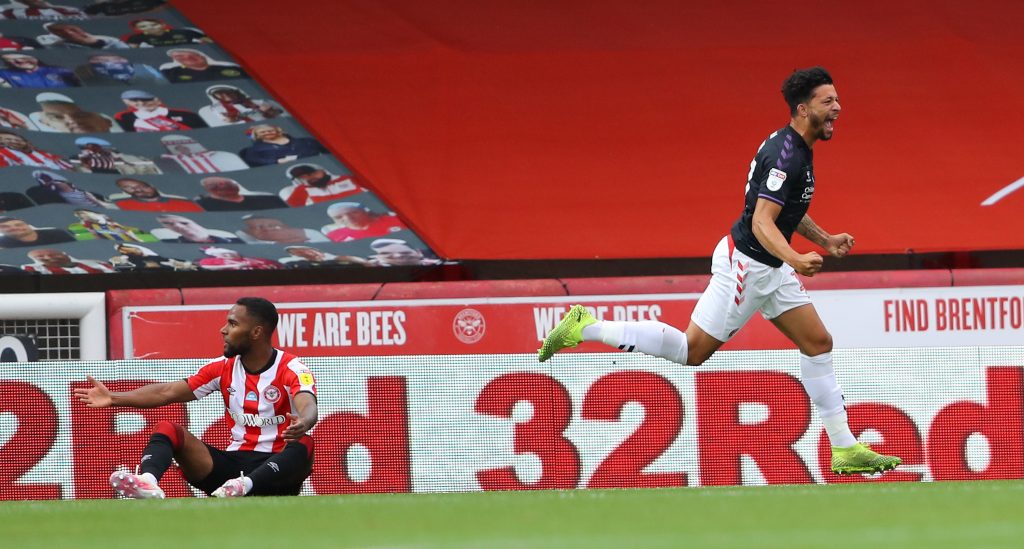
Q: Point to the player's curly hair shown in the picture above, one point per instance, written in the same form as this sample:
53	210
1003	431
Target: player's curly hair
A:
799	86
263	310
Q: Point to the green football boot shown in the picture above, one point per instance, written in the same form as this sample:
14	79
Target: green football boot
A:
568	333
860	458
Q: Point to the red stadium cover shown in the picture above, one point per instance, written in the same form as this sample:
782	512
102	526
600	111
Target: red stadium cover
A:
615	129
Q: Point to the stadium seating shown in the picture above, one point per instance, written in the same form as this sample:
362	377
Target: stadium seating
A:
132	143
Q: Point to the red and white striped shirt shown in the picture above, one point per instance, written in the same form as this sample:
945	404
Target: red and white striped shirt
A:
50	13
255	403
38	158
84	266
303	195
207	162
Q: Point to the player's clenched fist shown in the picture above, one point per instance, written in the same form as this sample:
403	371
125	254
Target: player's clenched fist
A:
808	264
839	245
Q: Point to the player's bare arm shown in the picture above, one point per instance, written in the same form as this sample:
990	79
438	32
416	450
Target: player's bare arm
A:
148	396
305	405
837	245
769	236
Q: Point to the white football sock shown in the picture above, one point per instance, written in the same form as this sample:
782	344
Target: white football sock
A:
647	336
819	380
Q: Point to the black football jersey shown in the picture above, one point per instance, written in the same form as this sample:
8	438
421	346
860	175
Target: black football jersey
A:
783	172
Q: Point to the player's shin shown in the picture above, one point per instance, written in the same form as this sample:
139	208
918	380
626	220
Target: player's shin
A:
649	337
819	380
284	472
156	458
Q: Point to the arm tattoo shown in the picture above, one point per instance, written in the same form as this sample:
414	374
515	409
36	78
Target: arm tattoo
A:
811	231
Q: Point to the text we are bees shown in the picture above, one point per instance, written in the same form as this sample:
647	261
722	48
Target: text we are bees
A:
341	329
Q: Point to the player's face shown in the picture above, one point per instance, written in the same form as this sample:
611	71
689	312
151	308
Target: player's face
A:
70	33
399	254
182	225
49	257
318	178
68	118
354	218
93	217
238	331
822	111
273	230
219	186
22	62
228	95
189	59
13	141
150	27
147	104
16	228
266	132
138	189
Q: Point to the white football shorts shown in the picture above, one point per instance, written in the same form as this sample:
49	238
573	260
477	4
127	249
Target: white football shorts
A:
741	285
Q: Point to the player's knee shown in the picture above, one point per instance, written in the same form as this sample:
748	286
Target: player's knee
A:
173	431
818	344
697	357
304	443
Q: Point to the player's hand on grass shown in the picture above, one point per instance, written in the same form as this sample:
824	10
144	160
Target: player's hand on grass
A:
839	245
808	264
97	396
296	429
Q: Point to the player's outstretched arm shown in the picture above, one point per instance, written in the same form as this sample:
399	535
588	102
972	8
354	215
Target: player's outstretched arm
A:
769	235
837	245
147	396
305	405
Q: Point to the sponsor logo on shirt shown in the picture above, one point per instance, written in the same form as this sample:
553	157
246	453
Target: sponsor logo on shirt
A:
251	396
306	378
256	420
776	178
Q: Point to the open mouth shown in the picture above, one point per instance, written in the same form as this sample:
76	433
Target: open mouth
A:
829	124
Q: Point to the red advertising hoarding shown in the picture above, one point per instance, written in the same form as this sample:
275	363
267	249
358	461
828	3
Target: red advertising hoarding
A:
864	318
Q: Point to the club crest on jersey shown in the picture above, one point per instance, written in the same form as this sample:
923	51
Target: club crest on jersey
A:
776	178
271	394
251	396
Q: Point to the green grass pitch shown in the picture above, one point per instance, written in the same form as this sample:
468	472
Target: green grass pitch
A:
948	514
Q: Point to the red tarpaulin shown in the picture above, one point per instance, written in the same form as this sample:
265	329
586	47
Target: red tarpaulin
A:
613	129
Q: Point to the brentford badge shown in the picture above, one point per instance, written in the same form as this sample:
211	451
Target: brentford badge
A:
271	394
469	326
